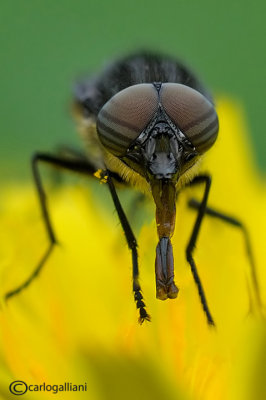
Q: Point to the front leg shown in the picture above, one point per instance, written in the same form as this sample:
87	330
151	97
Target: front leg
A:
255	300
82	166
132	244
206	179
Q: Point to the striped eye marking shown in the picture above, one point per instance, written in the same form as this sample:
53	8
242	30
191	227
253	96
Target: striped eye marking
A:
194	115
125	116
122	119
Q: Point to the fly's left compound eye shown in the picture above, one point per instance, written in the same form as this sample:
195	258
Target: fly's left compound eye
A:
194	115
125	115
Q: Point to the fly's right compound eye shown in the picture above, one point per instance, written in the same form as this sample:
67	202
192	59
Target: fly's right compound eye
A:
193	113
122	119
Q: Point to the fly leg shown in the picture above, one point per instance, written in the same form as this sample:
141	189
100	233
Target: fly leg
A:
206	179
81	166
235	222
132	244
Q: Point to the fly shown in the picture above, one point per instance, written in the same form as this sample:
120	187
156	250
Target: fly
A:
145	120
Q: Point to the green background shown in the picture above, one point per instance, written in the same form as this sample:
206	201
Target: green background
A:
46	45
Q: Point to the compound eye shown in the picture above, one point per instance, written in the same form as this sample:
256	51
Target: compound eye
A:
124	117
194	115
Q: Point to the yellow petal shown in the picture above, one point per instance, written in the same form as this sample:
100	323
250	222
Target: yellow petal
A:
77	321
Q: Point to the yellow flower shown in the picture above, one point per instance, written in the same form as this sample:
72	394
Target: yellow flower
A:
77	321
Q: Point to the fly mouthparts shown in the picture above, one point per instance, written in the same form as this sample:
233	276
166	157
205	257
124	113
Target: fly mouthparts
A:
164	270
